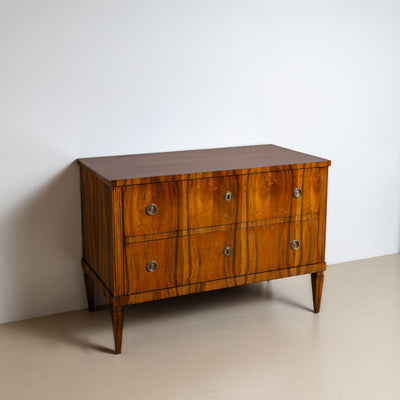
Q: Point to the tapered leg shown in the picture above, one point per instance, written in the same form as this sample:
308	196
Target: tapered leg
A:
89	284
118	322
317	281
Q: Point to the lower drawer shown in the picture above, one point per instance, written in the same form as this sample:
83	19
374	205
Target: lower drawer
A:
277	246
179	261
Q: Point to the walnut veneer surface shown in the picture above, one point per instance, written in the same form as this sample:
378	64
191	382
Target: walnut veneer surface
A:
167	224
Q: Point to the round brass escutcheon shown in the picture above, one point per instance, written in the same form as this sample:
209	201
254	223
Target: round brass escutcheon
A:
295	244
228	196
297	193
227	251
151	209
151	266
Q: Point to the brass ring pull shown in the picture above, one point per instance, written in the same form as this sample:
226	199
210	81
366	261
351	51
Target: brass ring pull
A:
151	209
297	193
295	244
227	251
151	266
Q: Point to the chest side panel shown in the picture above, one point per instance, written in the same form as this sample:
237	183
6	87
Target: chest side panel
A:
322	214
96	203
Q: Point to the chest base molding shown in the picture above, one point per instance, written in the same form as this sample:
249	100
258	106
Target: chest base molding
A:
206	286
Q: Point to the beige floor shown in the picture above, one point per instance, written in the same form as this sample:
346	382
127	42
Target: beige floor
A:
254	342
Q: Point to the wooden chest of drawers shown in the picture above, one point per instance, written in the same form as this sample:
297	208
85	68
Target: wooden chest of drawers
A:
168	224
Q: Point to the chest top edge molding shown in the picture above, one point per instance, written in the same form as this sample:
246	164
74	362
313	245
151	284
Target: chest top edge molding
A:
181	165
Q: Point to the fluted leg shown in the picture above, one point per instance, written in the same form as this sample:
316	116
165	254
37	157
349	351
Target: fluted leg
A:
317	281
89	284
118	322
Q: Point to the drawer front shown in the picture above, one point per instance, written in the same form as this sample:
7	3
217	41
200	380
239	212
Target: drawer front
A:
277	246
179	261
137	219
281	194
157	208
201	258
211	202
179	205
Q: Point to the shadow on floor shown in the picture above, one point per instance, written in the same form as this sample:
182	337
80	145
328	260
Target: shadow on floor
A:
77	328
203	302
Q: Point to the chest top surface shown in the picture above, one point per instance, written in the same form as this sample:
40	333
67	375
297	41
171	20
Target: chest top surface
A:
118	169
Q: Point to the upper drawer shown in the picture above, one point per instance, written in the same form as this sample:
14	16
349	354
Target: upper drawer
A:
280	194
179	205
170	206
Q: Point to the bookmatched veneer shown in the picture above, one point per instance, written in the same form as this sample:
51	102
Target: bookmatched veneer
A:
169	224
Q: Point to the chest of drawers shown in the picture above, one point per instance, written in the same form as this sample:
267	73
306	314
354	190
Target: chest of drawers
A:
169	224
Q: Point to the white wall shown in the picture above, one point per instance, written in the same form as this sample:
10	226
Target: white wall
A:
87	78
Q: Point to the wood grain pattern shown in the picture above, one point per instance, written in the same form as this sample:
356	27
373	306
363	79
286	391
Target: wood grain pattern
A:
181	205
200	258
135	200
268	248
313	190
97	280
194	223
317	281
117	315
206	205
157	167
180	261
97	227
219	228
322	214
266	195
218	284
193	204
117	240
